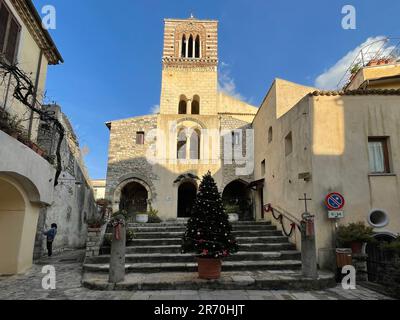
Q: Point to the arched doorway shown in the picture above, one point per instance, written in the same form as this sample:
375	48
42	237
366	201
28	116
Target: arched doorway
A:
134	198
186	195
12	216
237	197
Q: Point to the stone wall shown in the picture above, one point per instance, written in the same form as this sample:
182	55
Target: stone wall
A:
126	158
73	200
229	172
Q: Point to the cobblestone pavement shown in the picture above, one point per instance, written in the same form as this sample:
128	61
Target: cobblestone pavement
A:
68	287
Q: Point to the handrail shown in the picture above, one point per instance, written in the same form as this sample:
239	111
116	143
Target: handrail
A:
288	216
294	221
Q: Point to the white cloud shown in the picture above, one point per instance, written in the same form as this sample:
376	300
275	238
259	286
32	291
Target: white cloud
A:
226	83
155	109
331	78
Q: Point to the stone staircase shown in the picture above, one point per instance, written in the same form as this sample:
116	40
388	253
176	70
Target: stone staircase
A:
155	253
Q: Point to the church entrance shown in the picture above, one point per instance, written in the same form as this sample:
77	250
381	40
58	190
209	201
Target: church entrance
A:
237	199
134	198
186	195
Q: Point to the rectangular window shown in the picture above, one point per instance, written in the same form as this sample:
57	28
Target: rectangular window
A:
9	34
288	144
263	167
236	138
378	155
140	137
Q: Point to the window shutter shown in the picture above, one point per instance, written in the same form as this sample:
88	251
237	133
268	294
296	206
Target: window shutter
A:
3	25
12	41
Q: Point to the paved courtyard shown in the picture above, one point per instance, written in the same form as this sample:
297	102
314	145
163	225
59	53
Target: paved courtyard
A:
68	287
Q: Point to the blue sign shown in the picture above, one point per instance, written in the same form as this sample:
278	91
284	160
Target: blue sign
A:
334	201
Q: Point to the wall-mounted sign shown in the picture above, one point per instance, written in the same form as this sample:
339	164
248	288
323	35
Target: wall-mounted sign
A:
335	214
334	201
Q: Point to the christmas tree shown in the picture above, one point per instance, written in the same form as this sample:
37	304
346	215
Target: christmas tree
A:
209	232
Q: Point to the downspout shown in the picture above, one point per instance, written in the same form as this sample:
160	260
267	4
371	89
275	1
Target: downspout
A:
39	67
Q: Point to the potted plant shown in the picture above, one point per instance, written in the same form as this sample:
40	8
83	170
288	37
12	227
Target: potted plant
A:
233	212
208	231
14	126
354	235
95	222
153	216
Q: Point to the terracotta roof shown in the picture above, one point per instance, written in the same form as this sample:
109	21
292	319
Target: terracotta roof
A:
357	92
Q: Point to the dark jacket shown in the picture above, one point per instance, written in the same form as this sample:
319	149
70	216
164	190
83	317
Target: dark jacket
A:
51	234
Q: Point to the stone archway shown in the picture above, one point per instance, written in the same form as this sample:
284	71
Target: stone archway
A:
117	194
236	194
134	198
187	191
18	221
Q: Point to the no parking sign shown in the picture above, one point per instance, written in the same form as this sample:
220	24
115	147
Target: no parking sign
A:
335	203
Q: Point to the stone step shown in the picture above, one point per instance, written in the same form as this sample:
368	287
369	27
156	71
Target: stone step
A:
175	234
192	266
173	257
259	280
175	241
183	223
182	229
177	248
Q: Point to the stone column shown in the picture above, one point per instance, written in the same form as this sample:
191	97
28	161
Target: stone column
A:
308	250
118	247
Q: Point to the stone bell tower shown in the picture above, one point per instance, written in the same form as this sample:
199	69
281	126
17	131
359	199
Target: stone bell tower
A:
190	61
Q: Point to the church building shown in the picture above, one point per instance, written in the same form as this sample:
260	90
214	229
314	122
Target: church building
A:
301	140
183	140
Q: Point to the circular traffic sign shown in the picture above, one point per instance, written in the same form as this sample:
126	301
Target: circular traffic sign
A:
334	201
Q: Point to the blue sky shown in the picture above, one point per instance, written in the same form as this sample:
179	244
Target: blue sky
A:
112	52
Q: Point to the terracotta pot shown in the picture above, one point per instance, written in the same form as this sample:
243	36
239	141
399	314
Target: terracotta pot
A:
356	247
209	268
40	152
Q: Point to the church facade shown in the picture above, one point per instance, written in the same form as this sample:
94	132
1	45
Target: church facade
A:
300	141
157	160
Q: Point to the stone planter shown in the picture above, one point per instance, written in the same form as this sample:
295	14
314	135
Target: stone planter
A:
142	218
209	268
233	217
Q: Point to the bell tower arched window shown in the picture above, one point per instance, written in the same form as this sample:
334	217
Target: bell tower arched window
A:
181	144
196	105
182	105
195	145
183	47
190	47
197	48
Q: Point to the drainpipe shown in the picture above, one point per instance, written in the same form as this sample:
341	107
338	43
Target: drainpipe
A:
39	67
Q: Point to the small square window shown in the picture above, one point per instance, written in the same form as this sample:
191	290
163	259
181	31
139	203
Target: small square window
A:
288	144
378	152
140	137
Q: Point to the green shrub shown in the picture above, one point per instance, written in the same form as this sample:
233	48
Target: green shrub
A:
393	246
153	216
354	232
231	208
